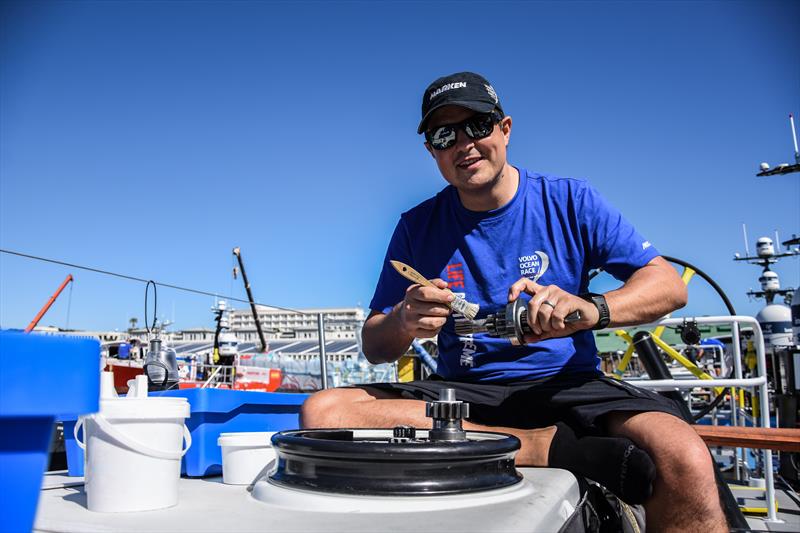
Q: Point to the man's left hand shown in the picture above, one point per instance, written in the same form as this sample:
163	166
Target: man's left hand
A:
547	308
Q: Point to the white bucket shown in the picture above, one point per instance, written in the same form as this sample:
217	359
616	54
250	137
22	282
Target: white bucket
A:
133	453
244	456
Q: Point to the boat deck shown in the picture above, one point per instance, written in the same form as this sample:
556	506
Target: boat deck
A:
788	509
541	502
209	505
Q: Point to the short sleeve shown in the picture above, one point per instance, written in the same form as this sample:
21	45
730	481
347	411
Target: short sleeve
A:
611	241
391	287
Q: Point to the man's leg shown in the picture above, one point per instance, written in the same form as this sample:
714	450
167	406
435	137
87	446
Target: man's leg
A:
685	494
373	408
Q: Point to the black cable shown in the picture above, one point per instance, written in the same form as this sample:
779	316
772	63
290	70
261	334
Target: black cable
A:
685	264
699	272
706	277
142	280
713	404
155	306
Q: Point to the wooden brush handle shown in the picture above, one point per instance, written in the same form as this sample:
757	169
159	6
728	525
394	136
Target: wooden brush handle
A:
411	274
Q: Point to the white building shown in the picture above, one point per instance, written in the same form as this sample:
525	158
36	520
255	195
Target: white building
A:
196	335
102	336
340	323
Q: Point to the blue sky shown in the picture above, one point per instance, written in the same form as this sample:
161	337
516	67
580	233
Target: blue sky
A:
150	138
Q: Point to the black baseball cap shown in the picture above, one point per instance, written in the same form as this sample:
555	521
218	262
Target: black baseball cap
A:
465	89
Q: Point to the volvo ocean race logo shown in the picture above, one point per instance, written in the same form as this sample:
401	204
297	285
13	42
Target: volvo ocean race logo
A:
534	265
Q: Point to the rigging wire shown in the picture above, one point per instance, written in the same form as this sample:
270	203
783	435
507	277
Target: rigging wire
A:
142	280
69	304
233	275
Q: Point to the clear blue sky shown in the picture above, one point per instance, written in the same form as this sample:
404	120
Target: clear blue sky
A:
150	138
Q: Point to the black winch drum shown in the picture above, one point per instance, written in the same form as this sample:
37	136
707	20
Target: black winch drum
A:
371	462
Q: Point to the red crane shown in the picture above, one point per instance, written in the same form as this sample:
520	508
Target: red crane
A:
49	303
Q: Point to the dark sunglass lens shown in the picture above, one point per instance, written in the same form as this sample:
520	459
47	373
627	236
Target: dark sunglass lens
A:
442	137
479	126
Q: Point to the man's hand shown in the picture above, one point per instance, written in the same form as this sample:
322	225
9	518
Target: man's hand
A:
424	310
548	307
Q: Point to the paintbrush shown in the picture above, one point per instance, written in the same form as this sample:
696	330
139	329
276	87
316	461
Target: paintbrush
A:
459	304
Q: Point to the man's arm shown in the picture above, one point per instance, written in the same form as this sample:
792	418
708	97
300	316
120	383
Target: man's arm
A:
650	293
382	337
422	313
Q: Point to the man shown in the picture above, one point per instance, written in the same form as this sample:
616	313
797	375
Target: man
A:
487	236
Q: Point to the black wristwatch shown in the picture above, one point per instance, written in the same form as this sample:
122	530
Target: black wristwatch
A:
599	302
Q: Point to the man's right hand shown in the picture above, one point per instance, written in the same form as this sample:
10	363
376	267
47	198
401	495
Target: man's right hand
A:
424	311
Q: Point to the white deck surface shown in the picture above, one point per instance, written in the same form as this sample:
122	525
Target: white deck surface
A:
540	503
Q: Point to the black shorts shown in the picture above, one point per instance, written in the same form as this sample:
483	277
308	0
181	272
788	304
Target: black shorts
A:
580	401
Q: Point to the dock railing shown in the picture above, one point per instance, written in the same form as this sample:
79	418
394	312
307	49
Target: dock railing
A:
759	383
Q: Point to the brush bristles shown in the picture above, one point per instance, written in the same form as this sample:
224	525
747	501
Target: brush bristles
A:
472	311
465	308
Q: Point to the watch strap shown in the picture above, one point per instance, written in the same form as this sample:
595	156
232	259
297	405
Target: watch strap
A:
600	303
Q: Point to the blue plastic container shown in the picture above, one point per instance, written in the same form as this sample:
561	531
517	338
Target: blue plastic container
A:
41	377
124	351
215	411
74	452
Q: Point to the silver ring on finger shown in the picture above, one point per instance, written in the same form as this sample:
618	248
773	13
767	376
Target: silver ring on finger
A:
548	302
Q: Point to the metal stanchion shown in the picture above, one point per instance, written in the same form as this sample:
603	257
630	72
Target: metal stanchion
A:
323	363
738	453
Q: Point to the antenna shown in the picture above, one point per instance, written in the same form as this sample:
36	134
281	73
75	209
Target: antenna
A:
784	168
777	242
746	247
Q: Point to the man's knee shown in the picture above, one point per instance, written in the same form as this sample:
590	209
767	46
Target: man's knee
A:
684	465
322	409
319	409
691	460
681	457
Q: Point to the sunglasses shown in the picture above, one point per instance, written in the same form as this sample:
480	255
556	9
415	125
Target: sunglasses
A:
476	127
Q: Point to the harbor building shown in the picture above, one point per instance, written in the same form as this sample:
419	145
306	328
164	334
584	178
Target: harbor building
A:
340	323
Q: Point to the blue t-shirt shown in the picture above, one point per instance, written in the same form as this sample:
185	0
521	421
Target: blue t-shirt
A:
481	254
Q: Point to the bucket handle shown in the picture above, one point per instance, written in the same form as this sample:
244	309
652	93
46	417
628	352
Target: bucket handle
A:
129	442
